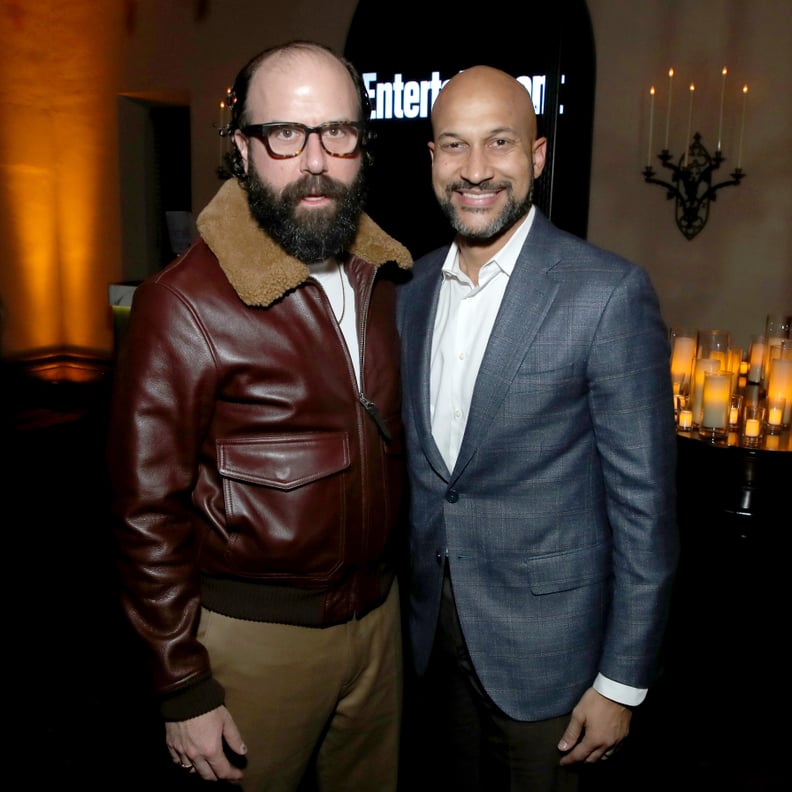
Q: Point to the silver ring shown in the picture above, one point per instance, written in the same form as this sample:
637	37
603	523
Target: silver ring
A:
186	766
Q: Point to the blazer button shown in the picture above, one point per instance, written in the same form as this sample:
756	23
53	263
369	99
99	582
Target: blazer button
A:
452	496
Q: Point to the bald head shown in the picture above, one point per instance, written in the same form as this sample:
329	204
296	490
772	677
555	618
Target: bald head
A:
484	89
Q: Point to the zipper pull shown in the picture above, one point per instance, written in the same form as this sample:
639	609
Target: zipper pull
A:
372	410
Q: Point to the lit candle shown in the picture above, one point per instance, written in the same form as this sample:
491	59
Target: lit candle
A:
685	419
779	386
220	132
682	358
756	366
668	112
775	415
701	367
720	120
690	120
742	127
715	401
751	427
651	124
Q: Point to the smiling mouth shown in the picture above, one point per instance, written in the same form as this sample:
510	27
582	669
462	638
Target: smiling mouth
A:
477	199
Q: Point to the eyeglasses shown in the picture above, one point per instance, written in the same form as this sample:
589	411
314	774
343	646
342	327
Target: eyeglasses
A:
285	140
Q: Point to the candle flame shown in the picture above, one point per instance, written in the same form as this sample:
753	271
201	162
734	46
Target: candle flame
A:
670	72
745	88
652	90
692	87
725	71
222	105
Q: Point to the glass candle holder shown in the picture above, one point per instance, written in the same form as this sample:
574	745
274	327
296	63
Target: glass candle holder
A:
735	411
779	386
756	358
776	328
752	425
714	344
683	353
774	415
701	368
715	402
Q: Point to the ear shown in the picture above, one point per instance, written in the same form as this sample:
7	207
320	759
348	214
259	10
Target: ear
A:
431	146
539	153
242	144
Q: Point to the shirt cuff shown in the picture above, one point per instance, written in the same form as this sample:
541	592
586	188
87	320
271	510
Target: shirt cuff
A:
623	694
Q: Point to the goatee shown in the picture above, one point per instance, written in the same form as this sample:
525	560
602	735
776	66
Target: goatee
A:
310	235
512	212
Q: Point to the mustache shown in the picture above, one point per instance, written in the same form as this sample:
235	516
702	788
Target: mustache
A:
485	186
314	184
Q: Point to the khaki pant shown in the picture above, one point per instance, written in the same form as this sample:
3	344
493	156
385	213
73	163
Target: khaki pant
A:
298	692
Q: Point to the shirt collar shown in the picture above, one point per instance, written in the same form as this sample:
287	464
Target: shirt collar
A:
505	258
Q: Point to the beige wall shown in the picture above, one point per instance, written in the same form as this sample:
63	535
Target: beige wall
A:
739	268
64	69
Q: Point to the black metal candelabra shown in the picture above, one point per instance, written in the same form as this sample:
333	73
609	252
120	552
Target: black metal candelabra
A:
691	184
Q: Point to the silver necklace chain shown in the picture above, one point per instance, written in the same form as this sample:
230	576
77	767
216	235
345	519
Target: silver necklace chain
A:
343	294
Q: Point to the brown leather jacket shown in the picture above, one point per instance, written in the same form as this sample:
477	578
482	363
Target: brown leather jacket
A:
250	473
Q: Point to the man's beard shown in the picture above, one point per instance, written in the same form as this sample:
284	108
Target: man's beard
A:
512	212
310	235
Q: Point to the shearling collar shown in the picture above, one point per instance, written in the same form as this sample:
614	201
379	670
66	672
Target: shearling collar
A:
259	269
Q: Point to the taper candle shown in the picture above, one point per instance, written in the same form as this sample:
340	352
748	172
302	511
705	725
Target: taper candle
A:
720	119
651	124
690	121
668	111
742	127
220	134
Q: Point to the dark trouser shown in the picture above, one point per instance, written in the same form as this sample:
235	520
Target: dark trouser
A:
467	743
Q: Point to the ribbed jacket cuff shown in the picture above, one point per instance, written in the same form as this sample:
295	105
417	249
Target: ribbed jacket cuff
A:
193	700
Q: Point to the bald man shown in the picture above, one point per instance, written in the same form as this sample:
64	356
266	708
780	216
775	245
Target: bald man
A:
540	436
257	457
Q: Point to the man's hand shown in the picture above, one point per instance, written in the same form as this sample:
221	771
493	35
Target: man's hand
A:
197	744
595	729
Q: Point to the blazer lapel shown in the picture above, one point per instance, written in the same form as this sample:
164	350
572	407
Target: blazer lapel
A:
528	298
417	337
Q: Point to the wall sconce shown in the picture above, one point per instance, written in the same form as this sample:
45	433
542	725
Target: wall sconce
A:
691	178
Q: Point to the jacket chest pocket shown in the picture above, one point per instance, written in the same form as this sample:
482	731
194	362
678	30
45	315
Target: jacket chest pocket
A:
284	499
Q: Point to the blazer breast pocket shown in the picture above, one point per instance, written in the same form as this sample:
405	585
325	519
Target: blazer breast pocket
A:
535	392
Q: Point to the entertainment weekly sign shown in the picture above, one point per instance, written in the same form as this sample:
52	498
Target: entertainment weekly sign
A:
409	99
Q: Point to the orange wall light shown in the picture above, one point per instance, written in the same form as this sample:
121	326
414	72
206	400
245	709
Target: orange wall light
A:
59	163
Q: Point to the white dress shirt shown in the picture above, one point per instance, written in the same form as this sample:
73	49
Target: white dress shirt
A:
464	321
465	316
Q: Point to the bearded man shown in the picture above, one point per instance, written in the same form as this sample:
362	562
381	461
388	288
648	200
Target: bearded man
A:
541	457
256	454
